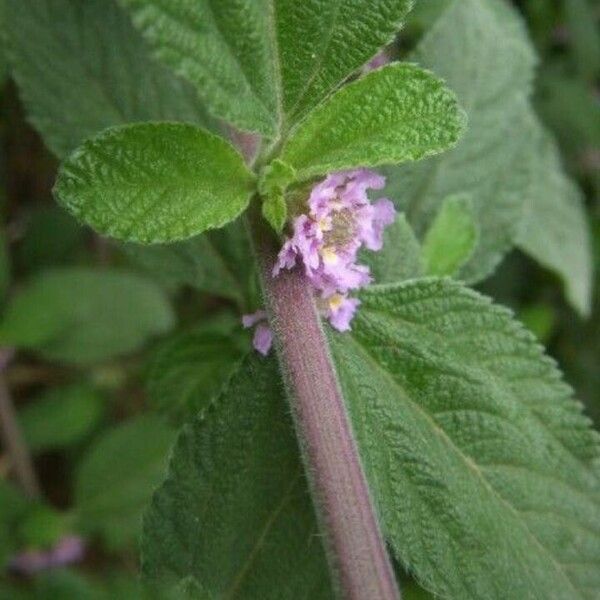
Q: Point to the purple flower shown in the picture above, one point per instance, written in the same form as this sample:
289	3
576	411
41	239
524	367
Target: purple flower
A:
340	220
325	242
263	336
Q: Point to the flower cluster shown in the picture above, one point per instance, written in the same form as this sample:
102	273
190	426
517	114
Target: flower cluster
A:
325	242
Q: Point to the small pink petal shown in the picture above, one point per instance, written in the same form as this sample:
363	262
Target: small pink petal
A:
253	318
263	339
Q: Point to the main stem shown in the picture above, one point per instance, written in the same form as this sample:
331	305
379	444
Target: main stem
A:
356	549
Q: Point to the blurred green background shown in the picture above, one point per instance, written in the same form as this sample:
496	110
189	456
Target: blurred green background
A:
94	405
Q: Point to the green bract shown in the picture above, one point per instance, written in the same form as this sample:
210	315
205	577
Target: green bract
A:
158	182
452	237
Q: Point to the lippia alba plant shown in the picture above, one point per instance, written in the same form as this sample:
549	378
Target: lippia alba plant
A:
428	429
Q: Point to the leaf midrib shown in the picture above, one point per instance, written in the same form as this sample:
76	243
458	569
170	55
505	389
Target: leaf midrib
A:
271	519
471	465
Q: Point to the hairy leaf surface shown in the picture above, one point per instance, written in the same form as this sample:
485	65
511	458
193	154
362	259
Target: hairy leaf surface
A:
81	67
394	114
258	63
217	262
481	49
234	513
190	368
483	467
155	182
80	315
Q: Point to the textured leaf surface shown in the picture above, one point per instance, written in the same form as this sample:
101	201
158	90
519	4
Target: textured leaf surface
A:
394	114
83	315
218	262
81	67
401	258
481	463
225	48
234	513
555	230
481	49
116	477
61	417
256	62
157	182
322	42
452	237
190	368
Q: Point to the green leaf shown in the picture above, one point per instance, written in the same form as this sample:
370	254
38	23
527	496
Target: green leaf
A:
155	182
106	76
481	49
42	527
52	237
234	513
257	62
5	265
394	114
189	369
61	416
217	262
79	315
116	477
482	466
452	237
13	507
401	258
226	49
322	42
555	231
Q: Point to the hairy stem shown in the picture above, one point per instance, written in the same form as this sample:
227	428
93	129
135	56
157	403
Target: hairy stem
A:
356	549
12	437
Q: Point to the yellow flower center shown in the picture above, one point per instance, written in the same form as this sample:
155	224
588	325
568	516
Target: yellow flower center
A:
329	256
335	301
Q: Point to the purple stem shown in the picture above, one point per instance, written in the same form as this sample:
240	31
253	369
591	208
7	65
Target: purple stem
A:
356	550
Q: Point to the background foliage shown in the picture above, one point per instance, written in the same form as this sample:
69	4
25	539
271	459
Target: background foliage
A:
115	342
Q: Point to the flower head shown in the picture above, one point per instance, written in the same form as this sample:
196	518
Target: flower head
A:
325	241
